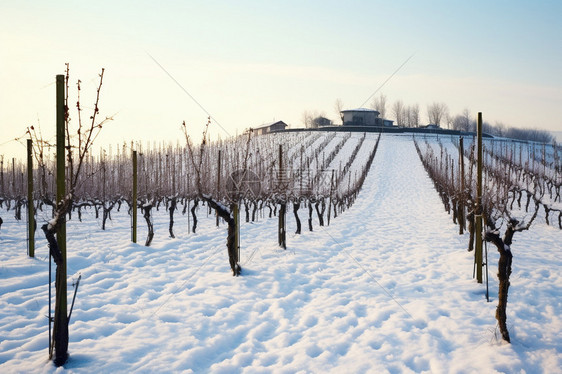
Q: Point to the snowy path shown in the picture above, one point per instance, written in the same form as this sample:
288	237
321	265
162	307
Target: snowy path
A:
385	288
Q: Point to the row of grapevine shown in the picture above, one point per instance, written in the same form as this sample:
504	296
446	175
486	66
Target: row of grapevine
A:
257	172
510	171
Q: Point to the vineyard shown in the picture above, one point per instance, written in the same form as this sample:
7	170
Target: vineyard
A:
258	176
348	253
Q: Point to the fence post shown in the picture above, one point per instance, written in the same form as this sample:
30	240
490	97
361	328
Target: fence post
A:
330	200
30	207
218	184
60	330
462	220
478	215
134	202
236	216
281	232
13	177
2	175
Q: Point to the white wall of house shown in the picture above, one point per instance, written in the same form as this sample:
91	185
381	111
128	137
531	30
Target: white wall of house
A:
360	117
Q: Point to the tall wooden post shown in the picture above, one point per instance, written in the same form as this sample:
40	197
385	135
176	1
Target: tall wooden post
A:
134	202
236	215
282	238
60	329
281	232
330	200
218	184
2	176
462	219
30	207
13	177
478	215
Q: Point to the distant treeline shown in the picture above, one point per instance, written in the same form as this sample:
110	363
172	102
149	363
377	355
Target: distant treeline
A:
464	122
534	135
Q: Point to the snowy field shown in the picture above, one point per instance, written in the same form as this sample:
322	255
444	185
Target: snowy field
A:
386	288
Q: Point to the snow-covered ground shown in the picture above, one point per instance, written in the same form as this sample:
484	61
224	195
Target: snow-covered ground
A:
387	287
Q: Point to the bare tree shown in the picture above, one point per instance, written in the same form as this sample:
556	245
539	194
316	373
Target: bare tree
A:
448	120
414	115
307	118
379	104
311	119
501	128
398	111
338	107
437	112
463	121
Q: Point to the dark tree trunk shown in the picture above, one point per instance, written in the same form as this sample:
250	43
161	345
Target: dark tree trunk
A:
247	210
320	215
296	207
60	328
146	214
455	211
17	209
106	214
172	209
471	229
254	211
504	271
231	238
195	204
282	229
310	210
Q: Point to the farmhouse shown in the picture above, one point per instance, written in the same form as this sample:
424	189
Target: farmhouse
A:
270	127
364	117
321	122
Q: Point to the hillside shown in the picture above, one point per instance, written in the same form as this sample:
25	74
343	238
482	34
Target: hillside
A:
386	287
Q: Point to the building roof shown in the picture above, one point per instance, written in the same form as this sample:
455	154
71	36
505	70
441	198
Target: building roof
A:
269	124
360	110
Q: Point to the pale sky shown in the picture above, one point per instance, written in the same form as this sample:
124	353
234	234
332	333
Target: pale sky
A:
252	62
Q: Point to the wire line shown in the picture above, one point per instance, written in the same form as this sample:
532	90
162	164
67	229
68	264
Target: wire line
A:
387	79
188	94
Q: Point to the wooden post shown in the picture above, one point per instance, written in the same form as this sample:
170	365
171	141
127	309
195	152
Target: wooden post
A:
218	184
236	216
30	207
478	215
13	177
134	202
188	216
281	232
60	329
462	219
330	201
2	192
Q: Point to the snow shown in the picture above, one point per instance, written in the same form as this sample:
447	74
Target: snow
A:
386	288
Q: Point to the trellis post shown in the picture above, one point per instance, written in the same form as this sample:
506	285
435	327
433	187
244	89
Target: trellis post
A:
478	216
134	198
60	329
30	207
